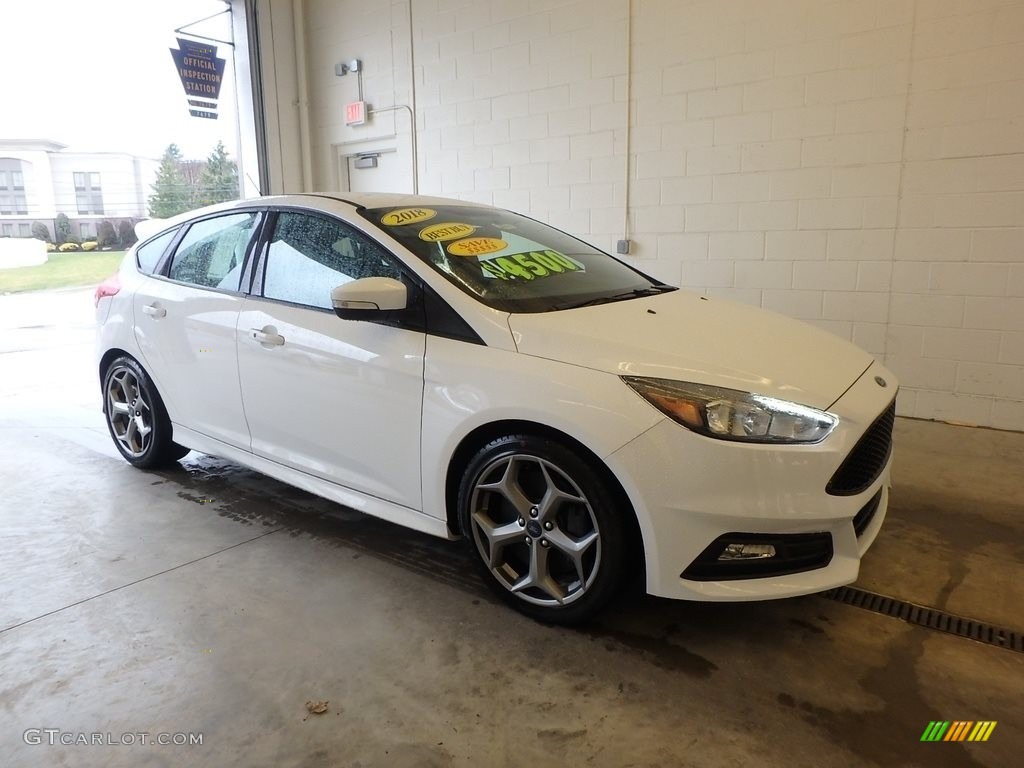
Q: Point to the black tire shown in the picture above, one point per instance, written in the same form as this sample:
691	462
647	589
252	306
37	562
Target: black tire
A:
586	580
126	385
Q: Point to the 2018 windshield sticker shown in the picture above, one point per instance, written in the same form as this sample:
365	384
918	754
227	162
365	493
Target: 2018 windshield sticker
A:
476	246
407	216
529	266
449	230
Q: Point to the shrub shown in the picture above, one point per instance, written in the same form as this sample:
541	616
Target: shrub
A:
69	247
50	247
40	232
62	227
106	236
126	234
90	245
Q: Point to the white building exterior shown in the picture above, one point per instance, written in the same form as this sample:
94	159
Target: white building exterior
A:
40	178
858	164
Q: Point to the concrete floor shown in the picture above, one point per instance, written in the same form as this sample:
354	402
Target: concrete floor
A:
213	600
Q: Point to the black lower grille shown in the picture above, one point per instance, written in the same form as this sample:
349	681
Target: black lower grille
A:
863	519
794	553
867	459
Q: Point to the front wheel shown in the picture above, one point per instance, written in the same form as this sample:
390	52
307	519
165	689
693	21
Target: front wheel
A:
136	417
544	526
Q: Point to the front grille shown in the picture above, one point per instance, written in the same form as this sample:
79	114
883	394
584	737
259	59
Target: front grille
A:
867	459
794	553
863	519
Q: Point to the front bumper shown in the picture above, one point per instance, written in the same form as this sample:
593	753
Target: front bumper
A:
689	490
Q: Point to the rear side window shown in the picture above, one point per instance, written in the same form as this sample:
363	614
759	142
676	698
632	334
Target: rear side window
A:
147	256
310	255
212	252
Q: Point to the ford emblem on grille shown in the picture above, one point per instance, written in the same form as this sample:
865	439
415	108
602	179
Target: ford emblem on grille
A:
881	382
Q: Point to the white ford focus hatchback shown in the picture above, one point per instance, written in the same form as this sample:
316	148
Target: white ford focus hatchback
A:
470	372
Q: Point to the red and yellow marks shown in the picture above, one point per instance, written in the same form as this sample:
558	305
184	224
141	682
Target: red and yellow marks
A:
958	730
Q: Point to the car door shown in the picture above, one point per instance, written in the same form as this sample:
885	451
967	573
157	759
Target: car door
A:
339	399
185	317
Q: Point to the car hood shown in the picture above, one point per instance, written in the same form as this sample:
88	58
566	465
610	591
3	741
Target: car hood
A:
687	337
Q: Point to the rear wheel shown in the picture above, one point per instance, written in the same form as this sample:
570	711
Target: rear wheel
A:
136	417
544	526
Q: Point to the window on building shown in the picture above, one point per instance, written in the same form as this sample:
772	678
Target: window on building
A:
88	192
8	230
24	230
13	204
87	230
12	187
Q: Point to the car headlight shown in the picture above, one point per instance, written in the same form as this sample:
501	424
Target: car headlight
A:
731	414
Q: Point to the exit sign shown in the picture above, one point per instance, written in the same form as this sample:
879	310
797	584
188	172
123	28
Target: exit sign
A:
355	113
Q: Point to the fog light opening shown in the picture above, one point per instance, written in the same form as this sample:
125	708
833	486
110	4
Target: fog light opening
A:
751	555
747	552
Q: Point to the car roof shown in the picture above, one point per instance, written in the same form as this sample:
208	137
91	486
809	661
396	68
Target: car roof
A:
148	227
389	199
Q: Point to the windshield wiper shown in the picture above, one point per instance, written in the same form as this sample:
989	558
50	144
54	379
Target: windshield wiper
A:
636	293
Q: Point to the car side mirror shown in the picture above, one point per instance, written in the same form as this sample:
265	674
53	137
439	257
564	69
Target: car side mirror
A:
368	298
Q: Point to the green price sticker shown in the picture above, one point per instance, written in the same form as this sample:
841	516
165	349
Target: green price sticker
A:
529	266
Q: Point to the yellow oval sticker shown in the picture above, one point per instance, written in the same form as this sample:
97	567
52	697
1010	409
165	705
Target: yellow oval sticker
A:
449	230
476	246
407	216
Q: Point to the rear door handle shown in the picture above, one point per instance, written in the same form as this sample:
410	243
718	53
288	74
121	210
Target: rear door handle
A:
154	311
268	337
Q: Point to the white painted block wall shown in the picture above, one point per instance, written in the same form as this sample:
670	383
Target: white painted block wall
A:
858	164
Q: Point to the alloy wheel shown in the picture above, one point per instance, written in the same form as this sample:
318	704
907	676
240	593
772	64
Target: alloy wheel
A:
128	412
535	530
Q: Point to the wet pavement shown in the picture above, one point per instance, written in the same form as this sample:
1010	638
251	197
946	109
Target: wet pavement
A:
211	600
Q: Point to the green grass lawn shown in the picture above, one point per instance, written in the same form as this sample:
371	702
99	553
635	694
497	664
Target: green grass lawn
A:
61	271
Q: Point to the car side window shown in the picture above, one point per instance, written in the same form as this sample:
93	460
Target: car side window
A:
311	255
212	253
147	255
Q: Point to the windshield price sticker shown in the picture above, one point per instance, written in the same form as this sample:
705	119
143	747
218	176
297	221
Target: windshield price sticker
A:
407	216
476	246
529	266
449	230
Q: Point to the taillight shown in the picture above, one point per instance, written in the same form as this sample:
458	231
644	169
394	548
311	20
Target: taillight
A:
108	287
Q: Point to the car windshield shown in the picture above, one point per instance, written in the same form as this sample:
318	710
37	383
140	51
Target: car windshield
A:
510	262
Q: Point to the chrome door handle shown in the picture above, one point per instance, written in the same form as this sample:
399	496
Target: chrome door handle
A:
154	311
263	337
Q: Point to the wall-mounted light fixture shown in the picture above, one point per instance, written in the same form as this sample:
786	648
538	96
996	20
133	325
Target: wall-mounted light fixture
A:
342	68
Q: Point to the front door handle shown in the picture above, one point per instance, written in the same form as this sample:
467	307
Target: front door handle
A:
267	335
154	311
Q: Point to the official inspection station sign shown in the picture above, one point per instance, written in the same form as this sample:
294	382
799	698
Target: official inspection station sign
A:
201	73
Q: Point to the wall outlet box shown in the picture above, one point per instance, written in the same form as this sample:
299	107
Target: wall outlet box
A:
622	247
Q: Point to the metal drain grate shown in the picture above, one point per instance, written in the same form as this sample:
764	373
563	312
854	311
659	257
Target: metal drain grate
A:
931	618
